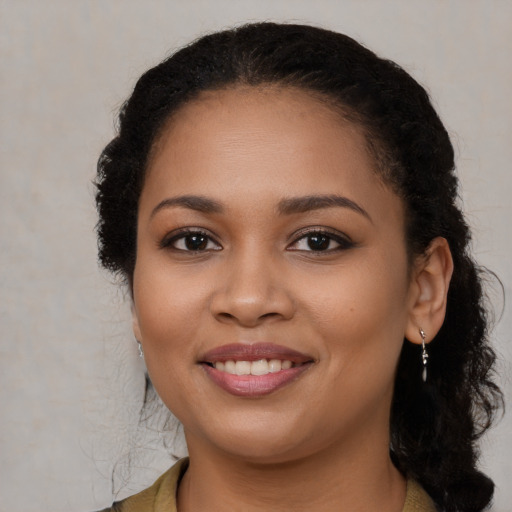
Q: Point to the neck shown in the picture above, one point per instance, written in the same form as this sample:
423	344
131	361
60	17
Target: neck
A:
357	478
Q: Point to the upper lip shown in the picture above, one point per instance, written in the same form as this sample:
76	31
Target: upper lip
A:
254	352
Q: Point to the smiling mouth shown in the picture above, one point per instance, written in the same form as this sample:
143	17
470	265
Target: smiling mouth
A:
259	367
254	370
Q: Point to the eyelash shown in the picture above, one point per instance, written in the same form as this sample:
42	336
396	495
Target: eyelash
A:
169	241
343	241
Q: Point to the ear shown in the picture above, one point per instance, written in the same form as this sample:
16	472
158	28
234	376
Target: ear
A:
135	323
430	281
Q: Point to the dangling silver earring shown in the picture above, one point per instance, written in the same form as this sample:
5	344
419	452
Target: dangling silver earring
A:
141	352
424	355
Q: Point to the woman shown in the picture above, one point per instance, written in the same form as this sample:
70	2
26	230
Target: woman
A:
282	205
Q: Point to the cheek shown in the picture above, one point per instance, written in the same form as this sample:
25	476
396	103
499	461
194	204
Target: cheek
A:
362	312
168	310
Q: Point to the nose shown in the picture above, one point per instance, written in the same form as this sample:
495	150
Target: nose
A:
251	291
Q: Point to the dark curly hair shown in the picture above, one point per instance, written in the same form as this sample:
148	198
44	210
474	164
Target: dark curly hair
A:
434	425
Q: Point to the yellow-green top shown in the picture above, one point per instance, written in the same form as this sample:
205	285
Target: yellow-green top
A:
161	496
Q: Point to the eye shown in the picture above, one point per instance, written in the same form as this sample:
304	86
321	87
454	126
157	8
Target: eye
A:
321	241
191	241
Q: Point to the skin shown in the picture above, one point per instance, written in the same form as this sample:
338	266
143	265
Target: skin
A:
320	442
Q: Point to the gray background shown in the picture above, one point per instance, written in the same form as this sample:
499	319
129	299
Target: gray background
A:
70	378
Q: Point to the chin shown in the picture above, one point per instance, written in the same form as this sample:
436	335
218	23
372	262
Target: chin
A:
277	453
261	442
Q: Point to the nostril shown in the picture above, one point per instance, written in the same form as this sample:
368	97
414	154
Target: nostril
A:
246	319
250	308
226	315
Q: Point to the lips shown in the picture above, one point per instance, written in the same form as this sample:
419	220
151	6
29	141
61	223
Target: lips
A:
254	370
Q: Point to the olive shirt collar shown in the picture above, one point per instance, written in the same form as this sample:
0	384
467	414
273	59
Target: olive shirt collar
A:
161	496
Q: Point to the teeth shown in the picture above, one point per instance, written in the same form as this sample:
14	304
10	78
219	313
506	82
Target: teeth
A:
229	367
274	365
243	368
260	367
285	365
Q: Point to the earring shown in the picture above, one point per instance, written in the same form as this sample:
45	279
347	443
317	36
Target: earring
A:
141	352
424	355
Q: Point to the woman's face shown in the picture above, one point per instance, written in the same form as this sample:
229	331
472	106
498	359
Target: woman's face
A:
266	240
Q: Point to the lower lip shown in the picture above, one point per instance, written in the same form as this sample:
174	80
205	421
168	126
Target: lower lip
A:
254	385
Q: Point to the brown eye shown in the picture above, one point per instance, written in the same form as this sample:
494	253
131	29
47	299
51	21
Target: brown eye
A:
191	241
195	242
321	241
318	242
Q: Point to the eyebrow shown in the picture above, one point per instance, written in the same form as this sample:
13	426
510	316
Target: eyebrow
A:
288	206
318	202
198	203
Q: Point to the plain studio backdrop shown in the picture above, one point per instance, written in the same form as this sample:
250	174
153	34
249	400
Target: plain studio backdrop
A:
71	381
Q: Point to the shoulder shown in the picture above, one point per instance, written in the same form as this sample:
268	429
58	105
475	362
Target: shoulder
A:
160	497
417	499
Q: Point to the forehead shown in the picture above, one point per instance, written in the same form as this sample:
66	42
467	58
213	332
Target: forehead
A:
277	120
263	142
